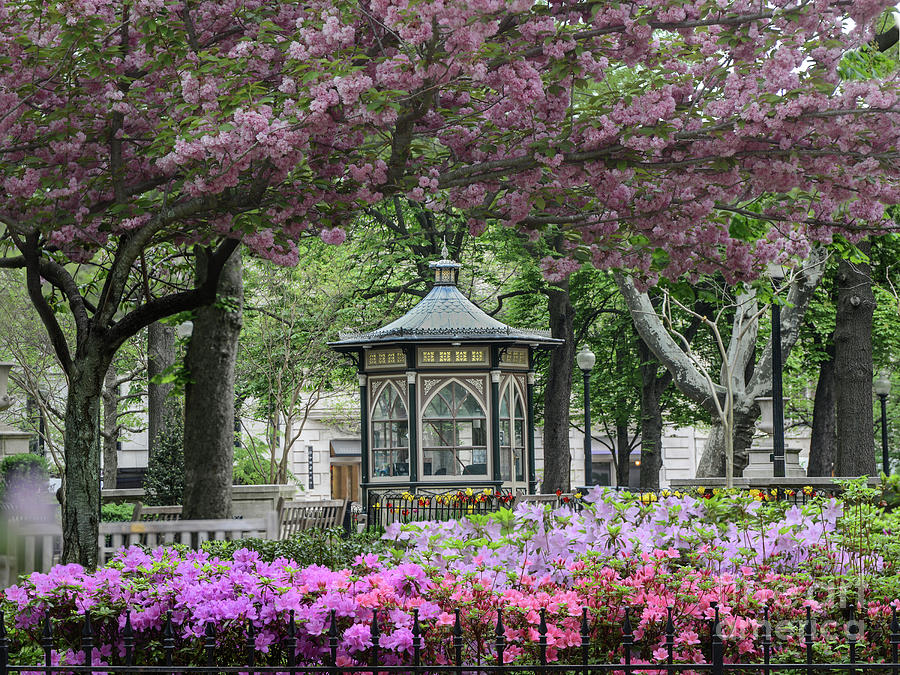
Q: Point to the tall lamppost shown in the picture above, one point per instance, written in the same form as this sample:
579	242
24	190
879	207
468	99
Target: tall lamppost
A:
777	273
883	388
585	360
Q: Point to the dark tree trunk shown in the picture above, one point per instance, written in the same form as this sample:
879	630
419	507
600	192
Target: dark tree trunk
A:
623	453
855	454
110	429
712	459
744	430
160	356
81	507
652	388
558	391
209	395
823	438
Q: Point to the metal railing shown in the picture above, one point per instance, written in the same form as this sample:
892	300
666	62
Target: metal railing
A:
395	507
160	651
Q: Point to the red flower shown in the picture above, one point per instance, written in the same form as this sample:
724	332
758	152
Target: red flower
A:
558	493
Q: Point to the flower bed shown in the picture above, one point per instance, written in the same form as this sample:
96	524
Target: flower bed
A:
200	591
546	570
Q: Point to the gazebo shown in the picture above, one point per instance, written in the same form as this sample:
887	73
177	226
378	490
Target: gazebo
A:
446	396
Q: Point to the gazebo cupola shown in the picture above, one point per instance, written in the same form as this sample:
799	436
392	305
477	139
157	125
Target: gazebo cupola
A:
446	396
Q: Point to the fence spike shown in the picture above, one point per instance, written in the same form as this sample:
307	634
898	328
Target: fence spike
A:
333	638
210	644
168	638
716	641
500	637
670	635
251	645
290	643
128	639
417	638
585	639
87	639
627	638
47	640
457	638
895	640
376	638
542	639
808	636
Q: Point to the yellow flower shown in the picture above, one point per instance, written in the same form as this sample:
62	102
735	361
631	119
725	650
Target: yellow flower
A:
701	490
577	495
773	492
648	497
469	492
716	491
808	489
488	491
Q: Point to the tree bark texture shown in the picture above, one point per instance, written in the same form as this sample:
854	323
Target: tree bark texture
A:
712	458
110	429
853	368
160	356
651	417
81	505
209	395
623	455
823	438
558	391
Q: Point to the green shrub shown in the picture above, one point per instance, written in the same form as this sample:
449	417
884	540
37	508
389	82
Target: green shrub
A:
329	548
26	471
116	513
164	483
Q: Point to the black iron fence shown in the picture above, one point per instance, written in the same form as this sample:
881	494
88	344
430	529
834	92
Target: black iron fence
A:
481	652
398	507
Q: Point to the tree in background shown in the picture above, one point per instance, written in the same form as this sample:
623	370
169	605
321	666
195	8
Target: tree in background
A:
284	363
164	482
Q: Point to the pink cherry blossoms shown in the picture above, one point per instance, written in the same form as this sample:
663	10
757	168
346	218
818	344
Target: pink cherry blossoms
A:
642	127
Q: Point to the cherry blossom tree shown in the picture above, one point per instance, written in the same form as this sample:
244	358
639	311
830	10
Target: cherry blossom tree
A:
128	124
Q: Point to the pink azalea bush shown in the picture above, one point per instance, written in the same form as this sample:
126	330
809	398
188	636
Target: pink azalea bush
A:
228	596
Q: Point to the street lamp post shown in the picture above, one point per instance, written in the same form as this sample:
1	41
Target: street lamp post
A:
586	359
883	388
777	273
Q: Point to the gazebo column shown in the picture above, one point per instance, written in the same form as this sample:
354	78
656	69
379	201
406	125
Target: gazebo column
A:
364	440
529	439
495	424
413	426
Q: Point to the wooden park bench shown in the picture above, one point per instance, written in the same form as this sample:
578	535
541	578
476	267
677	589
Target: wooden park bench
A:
142	512
297	516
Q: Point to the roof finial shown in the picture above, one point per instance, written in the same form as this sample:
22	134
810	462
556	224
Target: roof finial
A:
444	252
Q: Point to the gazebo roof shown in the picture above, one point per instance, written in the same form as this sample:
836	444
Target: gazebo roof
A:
445	314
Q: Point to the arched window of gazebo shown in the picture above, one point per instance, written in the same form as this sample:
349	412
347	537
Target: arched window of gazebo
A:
390	435
454	433
512	434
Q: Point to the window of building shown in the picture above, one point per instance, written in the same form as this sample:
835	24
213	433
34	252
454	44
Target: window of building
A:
390	435
454	433
512	433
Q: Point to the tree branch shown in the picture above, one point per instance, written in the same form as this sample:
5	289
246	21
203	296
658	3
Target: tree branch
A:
159	308
686	376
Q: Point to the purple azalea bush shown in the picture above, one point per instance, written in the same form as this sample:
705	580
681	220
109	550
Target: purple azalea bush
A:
536	539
